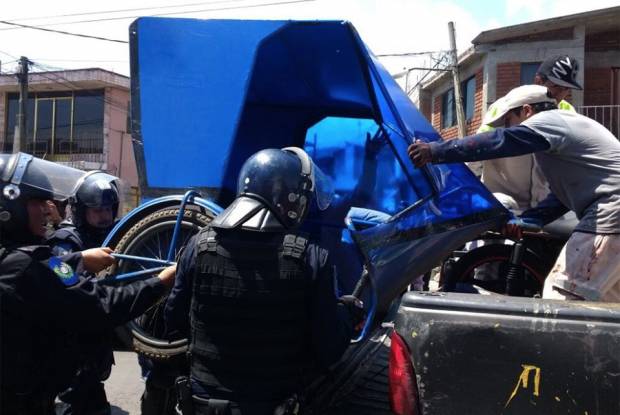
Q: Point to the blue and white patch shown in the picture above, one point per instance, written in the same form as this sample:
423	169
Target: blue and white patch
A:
63	271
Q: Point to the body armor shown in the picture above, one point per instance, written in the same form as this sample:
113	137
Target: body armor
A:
251	288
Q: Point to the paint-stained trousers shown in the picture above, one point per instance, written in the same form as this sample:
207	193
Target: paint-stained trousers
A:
588	268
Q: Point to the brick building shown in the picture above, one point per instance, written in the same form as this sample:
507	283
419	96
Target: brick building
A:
75	117
504	58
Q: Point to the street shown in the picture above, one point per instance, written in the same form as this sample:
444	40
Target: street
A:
124	387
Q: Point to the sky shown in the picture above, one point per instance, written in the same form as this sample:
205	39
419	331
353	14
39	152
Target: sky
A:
387	26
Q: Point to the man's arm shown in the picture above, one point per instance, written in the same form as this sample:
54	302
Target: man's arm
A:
176	311
65	300
548	210
501	142
332	325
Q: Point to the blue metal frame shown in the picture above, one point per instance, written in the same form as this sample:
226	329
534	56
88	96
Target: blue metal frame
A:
190	197
187	198
155	204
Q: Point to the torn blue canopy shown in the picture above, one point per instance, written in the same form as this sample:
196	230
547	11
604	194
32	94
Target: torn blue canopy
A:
203	88
207	94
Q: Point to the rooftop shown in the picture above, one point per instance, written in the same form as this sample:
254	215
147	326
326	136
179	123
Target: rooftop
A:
72	79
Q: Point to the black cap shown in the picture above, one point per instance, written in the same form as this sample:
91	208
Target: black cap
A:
562	70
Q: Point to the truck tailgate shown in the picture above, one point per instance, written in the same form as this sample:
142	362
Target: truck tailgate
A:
506	355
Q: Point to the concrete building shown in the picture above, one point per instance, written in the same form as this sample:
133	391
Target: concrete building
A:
504	58
75	117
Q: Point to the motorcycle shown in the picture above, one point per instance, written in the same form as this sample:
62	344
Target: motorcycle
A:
498	264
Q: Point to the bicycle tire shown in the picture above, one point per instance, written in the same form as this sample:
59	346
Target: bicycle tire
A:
463	270
144	334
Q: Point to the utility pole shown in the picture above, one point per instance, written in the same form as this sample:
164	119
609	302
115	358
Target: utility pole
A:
20	127
460	116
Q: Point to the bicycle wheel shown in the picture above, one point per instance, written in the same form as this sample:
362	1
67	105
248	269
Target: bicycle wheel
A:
151	237
487	267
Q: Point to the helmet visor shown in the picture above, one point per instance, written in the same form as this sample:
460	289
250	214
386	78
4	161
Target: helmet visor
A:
45	179
98	189
323	187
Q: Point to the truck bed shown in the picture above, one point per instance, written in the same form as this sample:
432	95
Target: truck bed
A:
506	355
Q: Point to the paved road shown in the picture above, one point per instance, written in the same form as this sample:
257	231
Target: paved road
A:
124	387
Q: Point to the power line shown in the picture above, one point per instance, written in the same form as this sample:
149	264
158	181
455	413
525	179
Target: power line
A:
124	10
62	32
9	55
250	6
79	60
389	55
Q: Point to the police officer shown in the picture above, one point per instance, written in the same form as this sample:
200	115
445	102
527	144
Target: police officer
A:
264	316
93	212
44	301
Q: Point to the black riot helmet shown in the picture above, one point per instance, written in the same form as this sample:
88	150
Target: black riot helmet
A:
274	191
96	190
24	177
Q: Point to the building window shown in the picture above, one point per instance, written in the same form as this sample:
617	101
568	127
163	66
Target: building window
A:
59	122
528	72
448	106
469	94
448	109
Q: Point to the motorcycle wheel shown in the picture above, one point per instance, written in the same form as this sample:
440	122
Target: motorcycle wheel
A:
470	266
150	237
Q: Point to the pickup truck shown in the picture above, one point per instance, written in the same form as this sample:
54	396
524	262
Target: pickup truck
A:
206	94
490	354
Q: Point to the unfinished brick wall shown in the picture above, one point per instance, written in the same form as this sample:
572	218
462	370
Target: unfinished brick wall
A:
426	107
3	115
598	86
475	122
508	77
472	124
436	115
603	41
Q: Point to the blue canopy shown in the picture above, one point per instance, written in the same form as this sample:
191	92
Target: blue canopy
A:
207	94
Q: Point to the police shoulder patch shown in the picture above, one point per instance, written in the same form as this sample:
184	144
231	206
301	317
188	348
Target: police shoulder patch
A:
63	271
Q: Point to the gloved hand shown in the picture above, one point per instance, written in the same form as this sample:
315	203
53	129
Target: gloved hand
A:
356	310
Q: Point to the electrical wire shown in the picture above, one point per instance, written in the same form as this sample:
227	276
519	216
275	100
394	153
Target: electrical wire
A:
79	60
10	56
389	55
173	6
250	6
62	32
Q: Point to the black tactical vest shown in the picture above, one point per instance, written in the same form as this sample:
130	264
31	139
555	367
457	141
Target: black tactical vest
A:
250	315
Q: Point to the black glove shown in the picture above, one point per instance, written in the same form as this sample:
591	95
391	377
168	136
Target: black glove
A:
356	310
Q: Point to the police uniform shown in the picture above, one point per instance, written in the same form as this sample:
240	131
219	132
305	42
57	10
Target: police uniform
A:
45	301
264	318
87	393
44	304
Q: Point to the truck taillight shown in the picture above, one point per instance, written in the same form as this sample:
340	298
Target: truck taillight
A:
403	385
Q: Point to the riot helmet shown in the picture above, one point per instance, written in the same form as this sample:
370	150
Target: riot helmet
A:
97	189
24	177
274	191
